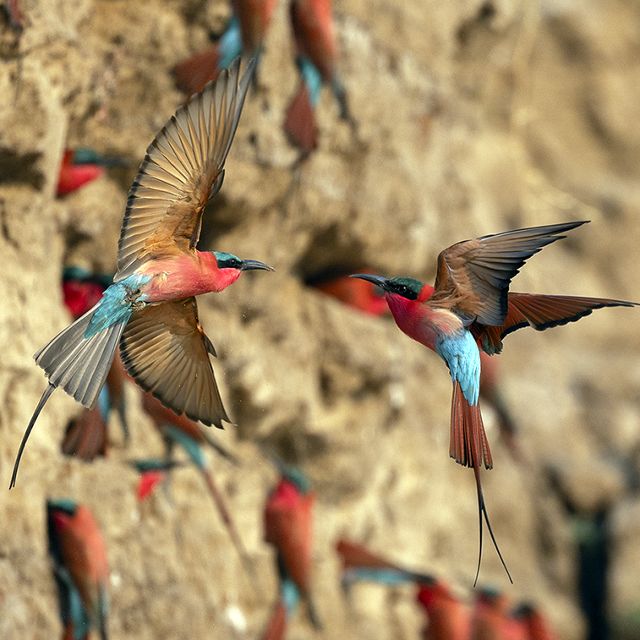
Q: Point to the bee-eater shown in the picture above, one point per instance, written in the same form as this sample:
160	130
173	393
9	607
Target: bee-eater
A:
152	472
470	308
150	309
81	570
361	565
81	166
82	290
86	435
449	619
317	60
536	626
491	619
288	526
244	35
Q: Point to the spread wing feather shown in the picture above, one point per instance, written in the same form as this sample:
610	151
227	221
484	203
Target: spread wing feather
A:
165	349
182	170
473	276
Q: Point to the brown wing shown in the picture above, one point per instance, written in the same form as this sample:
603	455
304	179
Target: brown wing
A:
165	349
540	312
473	276
183	169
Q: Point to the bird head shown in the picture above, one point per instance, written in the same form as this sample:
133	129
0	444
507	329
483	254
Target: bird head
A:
66	505
230	267
408	288
229	261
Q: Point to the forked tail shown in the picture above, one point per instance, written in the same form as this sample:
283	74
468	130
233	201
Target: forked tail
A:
76	362
469	447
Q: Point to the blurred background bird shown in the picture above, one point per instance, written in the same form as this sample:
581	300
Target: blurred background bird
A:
80	569
81	166
243	35
288	526
448	618
150	309
179	430
470	308
153	471
317	61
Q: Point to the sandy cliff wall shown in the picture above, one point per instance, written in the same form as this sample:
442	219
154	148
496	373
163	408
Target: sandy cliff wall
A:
474	117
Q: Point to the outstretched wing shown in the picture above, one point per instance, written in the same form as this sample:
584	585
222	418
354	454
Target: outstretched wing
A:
165	349
474	275
182	170
541	312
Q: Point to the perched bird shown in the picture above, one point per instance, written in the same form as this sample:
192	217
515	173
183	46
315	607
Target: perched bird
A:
537	628
449	619
81	571
244	35
354	293
150	309
82	290
361	565
469	309
288	526
81	166
316	59
86	435
490	618
152	472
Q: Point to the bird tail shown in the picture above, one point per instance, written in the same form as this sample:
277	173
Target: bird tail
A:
85	436
76	363
469	447
223	452
192	74
228	521
312	613
277	625
300	122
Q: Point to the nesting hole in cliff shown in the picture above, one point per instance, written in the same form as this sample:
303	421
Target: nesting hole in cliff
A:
330	255
20	169
293	445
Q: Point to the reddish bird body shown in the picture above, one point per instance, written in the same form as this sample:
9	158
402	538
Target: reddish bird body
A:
449	619
244	35
535	625
317	57
470	309
73	176
288	526
354	293
78	547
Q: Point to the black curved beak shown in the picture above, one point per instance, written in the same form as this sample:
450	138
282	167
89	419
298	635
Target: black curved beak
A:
251	265
379	281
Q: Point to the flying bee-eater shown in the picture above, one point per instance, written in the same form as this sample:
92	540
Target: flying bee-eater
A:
317	62
150	309
470	309
243	35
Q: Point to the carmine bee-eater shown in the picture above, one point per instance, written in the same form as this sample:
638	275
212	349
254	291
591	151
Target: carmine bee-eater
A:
150	309
86	435
469	309
361	565
81	570
317	60
492	620
152	472
449	619
288	526
81	166
244	35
